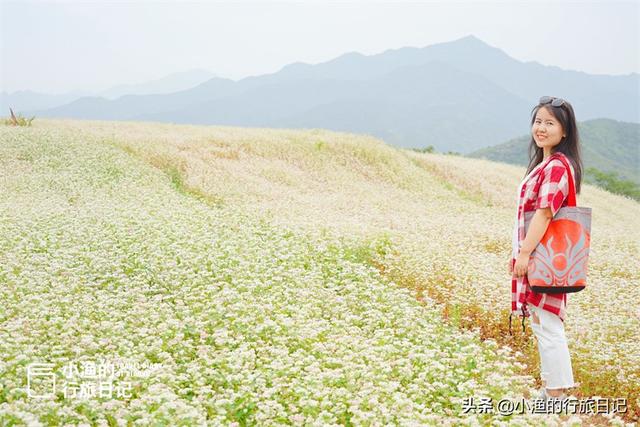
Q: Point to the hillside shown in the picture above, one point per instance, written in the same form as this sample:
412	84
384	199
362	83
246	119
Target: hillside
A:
283	276
607	145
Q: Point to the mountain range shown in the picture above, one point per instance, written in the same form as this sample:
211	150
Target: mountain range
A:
26	100
461	96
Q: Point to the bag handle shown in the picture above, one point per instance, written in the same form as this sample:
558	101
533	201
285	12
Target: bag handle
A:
572	188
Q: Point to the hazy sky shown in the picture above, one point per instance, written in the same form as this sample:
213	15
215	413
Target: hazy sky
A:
55	47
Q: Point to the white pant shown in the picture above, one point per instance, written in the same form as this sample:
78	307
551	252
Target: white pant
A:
555	361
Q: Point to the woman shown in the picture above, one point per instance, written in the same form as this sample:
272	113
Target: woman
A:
545	188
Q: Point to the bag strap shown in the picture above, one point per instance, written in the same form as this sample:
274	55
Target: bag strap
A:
572	188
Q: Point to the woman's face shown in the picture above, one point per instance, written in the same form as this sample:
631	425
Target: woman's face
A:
546	130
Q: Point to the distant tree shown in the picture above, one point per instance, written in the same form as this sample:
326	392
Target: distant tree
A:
429	149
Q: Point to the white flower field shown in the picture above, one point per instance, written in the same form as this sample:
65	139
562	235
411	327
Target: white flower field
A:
281	277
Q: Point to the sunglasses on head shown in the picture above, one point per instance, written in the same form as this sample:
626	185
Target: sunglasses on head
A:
556	102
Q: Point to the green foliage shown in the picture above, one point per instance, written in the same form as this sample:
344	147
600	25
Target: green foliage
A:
178	182
611	182
176	179
428	149
18	120
241	411
111	420
365	253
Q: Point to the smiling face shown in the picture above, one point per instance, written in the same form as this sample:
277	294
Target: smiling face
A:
547	131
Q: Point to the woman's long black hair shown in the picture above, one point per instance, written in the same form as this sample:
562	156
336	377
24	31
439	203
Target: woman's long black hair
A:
569	145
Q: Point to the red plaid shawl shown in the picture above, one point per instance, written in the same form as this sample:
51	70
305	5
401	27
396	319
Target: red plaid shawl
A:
547	185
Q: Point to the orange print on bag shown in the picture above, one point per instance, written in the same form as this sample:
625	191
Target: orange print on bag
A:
560	259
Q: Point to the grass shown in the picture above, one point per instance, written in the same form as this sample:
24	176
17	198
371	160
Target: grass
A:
18	120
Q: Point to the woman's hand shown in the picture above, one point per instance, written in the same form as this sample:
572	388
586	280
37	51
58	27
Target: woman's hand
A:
522	264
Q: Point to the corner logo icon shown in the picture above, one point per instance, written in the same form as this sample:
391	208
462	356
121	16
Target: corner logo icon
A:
41	381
